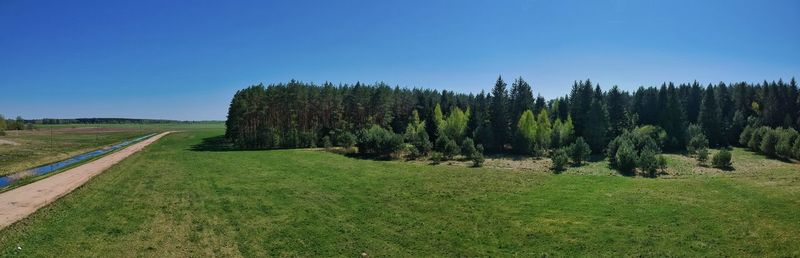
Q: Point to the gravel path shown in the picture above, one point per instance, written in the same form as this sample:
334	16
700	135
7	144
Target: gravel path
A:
20	202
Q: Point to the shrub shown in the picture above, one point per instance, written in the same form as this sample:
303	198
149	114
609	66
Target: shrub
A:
648	162
347	140
745	136
468	148
451	149
769	142
702	156
796	148
579	151
326	142
477	157
754	143
441	142
560	160
436	157
378	141
786	138
625	157
722	159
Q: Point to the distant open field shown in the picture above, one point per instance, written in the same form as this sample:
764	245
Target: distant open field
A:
21	150
173	199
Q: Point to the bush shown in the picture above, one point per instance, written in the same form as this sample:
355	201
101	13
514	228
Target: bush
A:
648	162
326	142
560	160
441	142
786	138
702	156
436	157
722	159
379	142
451	150
477	157
769	142
625	157
745	136
697	140
754	143
579	151
796	148
347	140
468	148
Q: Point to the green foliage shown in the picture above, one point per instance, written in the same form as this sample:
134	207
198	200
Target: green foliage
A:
579	151
786	139
468	148
477	157
347	140
702	156
455	126
710	119
326	142
649	162
499	117
746	135
525	136
697	140
722	159
416	135
560	160
769	142
436	157
379	142
632	149
625	157
596	126
451	149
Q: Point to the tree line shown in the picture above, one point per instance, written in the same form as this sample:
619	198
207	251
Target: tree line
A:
507	119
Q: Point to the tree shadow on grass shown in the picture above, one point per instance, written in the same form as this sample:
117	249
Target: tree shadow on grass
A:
216	143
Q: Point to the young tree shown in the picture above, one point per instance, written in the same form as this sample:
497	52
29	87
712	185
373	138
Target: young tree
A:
542	133
477	158
697	140
525	135
416	135
468	148
579	151
456	125
722	159
560	160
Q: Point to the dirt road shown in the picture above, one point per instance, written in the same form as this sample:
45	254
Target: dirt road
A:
18	203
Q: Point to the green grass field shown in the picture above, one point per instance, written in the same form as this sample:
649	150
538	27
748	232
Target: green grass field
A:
51	143
174	200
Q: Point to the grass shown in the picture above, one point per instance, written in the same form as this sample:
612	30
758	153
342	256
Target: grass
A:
172	200
51	143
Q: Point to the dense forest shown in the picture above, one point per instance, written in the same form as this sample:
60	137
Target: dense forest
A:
508	119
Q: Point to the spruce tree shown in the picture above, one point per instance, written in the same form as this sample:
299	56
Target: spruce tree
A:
709	117
499	118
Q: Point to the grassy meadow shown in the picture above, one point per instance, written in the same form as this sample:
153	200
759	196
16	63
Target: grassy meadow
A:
175	199
50	143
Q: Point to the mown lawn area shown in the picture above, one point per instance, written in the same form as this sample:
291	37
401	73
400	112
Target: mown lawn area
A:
173	200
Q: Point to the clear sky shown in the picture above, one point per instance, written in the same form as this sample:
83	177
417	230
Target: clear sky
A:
185	59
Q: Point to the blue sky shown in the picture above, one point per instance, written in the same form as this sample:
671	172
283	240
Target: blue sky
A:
185	59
